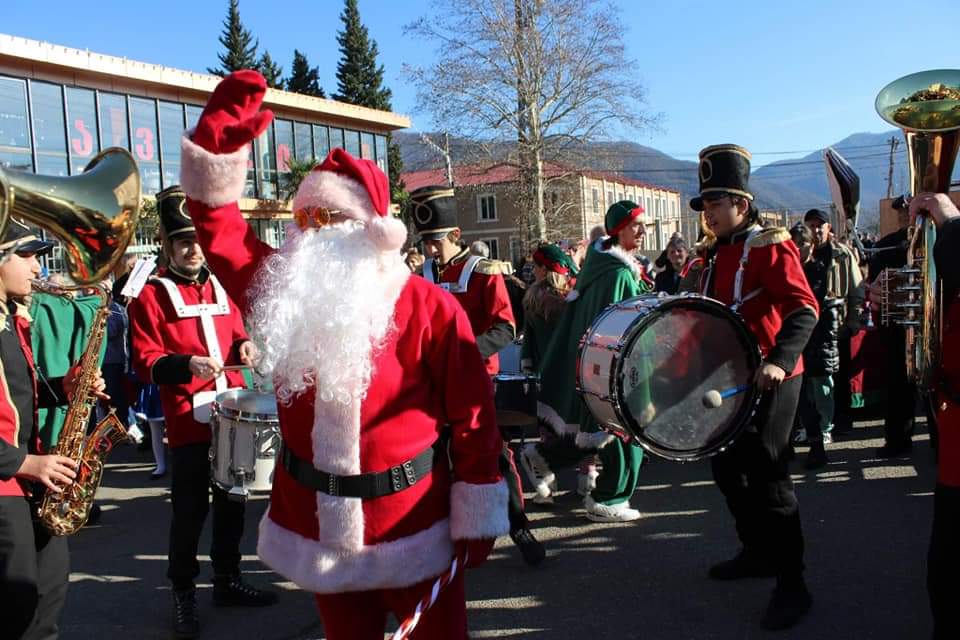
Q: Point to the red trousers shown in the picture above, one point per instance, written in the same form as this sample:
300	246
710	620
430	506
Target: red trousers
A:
362	615
948	446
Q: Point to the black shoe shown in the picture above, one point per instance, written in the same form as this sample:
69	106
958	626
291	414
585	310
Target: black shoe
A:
186	624
895	449
744	565
790	602
95	513
232	591
816	458
530	548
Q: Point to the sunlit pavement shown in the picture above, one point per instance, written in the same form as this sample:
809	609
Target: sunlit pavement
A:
866	523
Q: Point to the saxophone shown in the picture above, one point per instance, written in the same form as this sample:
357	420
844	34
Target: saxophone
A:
64	513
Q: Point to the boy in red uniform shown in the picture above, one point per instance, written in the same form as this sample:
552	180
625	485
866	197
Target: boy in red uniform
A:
758	273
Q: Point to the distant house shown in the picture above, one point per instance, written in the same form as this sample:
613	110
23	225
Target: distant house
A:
574	202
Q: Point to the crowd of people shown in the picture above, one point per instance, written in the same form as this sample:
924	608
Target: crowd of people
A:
382	349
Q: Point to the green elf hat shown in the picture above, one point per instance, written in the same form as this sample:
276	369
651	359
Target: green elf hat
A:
552	258
620	215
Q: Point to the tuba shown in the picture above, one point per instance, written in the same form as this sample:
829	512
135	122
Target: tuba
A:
926	106
94	214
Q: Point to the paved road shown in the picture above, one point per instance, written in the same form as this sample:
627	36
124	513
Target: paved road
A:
866	522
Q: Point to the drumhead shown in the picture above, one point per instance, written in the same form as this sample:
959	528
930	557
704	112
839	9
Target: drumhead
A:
246	404
686	347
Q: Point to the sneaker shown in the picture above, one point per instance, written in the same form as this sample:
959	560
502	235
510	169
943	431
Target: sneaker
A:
895	449
186	623
587	482
538	472
232	591
598	512
817	458
530	548
745	564
788	604
135	434
800	437
828	437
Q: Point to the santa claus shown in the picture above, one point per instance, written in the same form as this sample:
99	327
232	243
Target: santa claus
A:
390	445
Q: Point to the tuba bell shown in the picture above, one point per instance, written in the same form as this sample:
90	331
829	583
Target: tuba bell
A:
93	214
926	105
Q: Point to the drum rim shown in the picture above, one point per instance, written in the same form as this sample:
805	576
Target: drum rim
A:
240	414
745	414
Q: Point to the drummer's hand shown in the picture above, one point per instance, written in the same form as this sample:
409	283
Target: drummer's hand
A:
71	380
769	376
249	353
205	368
938	205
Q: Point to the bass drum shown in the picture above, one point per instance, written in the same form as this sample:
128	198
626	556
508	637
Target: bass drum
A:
671	373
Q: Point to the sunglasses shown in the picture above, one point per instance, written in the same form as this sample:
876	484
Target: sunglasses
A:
317	217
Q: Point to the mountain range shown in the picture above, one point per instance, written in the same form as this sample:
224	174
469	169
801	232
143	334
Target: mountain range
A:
796	184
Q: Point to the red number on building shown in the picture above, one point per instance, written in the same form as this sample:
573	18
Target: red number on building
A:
144	148
82	146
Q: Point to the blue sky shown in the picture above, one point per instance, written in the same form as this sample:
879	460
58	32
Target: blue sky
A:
774	76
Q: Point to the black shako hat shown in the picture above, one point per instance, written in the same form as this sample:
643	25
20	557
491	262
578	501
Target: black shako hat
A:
434	211
816	214
724	170
172	207
19	238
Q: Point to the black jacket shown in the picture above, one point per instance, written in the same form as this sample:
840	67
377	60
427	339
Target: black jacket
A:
821	356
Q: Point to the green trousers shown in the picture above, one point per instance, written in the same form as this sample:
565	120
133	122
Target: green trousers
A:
620	472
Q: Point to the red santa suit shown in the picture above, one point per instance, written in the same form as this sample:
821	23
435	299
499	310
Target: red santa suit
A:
427	374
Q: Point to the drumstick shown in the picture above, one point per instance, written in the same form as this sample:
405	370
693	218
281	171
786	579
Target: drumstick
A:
713	399
237	367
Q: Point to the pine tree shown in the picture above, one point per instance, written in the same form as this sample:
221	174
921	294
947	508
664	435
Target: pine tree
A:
359	78
241	49
304	78
272	72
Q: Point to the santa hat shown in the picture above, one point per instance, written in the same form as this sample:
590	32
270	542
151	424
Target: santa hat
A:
620	215
354	188
552	258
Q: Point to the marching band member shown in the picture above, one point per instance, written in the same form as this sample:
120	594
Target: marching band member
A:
943	562
369	365
184	329
758	272
610	274
477	284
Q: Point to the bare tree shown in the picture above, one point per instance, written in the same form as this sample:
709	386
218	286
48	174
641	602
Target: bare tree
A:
546	76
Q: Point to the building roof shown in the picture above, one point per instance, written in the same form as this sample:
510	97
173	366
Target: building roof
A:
473	175
42	58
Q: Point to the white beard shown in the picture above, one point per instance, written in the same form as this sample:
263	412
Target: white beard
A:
321	308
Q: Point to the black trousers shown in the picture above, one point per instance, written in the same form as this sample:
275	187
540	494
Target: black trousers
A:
508	469
943	563
191	487
34	571
901	394
754	477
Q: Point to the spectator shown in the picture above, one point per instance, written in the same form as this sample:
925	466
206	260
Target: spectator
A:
480	248
678	254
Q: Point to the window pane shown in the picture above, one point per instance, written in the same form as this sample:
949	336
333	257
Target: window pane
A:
250	187
113	120
336	138
382	154
193	115
14	128
321	142
302	142
81	127
143	123
51	140
266	165
284	144
366	146
171	129
351	142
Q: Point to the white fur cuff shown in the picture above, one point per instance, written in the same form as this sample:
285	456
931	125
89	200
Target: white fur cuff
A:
594	440
214	179
478	510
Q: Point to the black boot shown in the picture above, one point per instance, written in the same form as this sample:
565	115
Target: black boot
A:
790	602
530	548
746	564
186	624
817	457
895	449
232	591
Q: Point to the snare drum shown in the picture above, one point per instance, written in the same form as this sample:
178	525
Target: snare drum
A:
246	438
515	395
648	365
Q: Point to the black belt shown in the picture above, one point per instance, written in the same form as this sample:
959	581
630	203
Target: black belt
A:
364	485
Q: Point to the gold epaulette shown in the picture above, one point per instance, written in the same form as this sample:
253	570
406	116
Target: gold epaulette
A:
773	235
490	267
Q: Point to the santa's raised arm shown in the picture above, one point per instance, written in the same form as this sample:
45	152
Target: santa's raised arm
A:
377	375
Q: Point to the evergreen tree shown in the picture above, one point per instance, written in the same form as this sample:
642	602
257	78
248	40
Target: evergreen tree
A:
272	72
304	78
241	49
359	78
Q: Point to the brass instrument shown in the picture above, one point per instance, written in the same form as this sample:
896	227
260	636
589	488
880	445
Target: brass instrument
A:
926	106
64	513
93	214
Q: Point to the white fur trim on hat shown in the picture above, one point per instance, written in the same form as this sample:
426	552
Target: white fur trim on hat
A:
215	179
387	233
478	511
334	191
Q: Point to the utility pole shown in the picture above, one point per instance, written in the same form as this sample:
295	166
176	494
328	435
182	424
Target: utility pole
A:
894	143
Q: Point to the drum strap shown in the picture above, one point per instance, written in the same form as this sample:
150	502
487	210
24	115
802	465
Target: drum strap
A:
365	485
461	285
738	298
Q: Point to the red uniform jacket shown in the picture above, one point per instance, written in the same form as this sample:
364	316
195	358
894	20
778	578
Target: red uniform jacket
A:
774	286
428	374
163	343
9	418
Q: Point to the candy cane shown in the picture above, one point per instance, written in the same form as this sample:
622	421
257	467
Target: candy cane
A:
408	625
